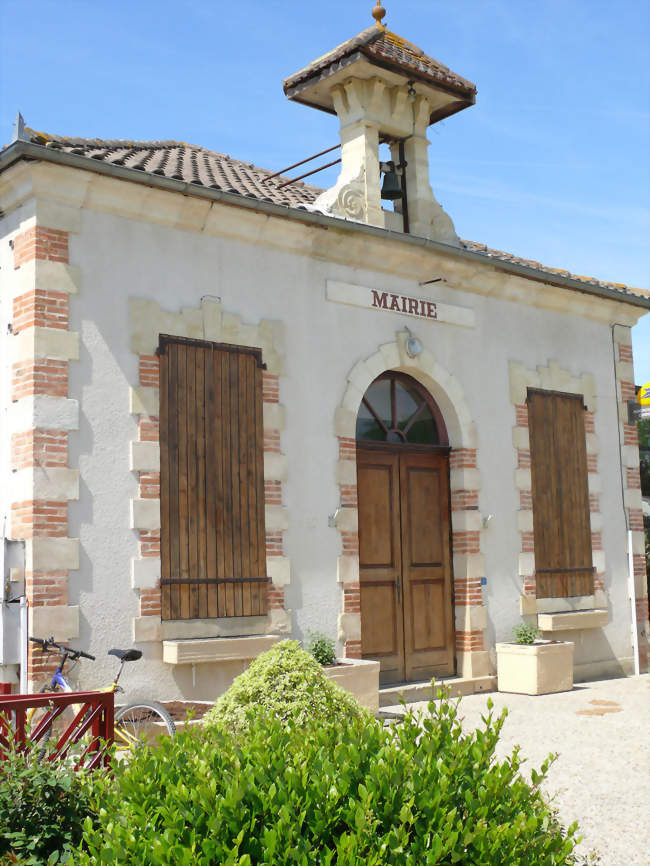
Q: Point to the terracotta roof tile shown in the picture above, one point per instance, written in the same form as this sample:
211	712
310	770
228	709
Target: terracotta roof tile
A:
207	168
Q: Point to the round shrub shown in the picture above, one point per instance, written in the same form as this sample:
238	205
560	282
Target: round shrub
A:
287	684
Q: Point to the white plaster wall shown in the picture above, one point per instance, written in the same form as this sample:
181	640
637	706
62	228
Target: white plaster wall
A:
122	258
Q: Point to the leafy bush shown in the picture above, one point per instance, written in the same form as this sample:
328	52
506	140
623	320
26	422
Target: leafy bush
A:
525	633
352	795
321	648
43	805
287	684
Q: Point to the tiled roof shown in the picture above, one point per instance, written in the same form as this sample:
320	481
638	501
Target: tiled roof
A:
186	162
386	47
192	164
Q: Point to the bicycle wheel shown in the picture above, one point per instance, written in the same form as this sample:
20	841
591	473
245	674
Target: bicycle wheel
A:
141	722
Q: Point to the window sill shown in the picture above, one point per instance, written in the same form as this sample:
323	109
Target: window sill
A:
224	627
191	651
572	620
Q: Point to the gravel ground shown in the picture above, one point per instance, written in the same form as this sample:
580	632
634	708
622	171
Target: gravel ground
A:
601	778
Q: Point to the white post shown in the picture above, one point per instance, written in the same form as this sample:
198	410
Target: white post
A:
635	633
24	632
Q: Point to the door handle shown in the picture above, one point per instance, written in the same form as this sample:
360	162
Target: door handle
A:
399	588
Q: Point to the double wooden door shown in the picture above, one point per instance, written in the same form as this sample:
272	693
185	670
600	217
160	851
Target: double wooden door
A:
405	563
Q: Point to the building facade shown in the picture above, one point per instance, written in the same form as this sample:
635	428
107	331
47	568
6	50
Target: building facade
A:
235	410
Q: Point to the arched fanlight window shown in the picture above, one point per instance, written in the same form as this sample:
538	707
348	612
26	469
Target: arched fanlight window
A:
397	409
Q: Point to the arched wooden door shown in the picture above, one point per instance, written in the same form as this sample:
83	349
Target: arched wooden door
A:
404	532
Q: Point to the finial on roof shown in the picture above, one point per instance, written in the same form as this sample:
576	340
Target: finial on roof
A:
378	13
19	129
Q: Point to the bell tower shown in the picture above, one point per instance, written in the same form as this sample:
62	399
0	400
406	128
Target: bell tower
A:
386	90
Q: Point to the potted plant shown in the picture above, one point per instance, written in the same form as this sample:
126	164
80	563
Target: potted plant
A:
359	677
529	665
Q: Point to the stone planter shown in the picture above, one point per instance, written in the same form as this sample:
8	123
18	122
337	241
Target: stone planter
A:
360	678
540	668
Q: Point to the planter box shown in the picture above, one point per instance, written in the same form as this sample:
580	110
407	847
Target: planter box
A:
535	669
360	678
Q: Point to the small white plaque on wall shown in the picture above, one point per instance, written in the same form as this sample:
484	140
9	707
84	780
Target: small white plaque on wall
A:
403	305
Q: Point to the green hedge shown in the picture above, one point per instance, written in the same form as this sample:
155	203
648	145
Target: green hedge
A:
353	795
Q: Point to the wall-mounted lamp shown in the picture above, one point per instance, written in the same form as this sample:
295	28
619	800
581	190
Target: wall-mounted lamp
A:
485	520
331	520
413	345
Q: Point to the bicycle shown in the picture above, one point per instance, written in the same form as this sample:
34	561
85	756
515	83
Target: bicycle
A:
138	722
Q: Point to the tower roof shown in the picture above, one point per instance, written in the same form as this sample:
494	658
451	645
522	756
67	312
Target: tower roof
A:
378	48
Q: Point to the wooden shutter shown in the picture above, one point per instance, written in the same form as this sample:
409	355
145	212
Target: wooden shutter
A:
213	543
562	530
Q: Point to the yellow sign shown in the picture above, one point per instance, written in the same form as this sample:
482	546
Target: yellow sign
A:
644	394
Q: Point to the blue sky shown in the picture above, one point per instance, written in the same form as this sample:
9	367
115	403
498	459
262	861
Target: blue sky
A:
551	164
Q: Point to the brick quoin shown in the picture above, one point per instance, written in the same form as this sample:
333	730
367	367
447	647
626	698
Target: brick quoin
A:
592	463
273	492
521	415
594	503
638	564
599	582
468	591
149	429
527	542
464	500
466	542
596	541
642	610
523	459
347	448
150	542
39	242
352	598
275	597
630	434
628	391
270	388
39	517
463	458
525	500
469	641
636	520
530	586
42	309
633	477
353	649
625	353
39	448
350	541
149	485
272	441
590	422
47	588
274	543
43	376
150	602
349	496
149	371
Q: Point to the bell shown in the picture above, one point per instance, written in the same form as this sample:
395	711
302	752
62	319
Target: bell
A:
391	189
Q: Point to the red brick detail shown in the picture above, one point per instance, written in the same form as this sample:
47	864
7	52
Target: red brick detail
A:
352	598
47	588
274	543
353	649
43	376
599	582
150	542
40	666
273	492
150	485
469	641
39	448
525	500
594	502
270	388
592	463
149	429
642	610
632	477
625	354
149	371
521	415
628	391
42	243
523	459
39	517
590	422
527	542
275	597
463	458
638	564
464	500
42	309
347	448
272	441
349	495
468	591
350	542
636	519
630	434
530	586
596	541
466	542
150	602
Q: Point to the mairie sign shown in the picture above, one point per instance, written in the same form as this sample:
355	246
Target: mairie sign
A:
404	305
644	394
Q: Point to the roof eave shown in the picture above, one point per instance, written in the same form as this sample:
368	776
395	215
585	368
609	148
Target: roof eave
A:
21	150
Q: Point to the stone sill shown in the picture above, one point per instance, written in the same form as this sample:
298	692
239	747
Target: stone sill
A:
572	620
217	649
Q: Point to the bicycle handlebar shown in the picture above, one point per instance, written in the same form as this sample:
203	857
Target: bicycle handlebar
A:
74	654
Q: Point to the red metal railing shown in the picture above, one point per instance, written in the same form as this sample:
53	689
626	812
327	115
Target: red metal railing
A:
91	727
